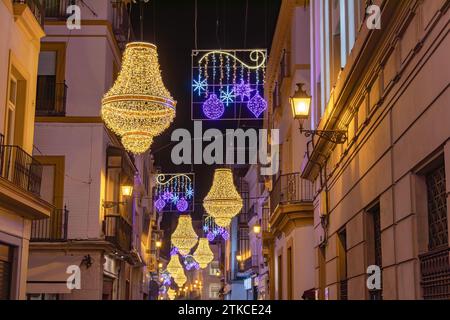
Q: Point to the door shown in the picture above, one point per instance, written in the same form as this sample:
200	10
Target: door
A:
5	271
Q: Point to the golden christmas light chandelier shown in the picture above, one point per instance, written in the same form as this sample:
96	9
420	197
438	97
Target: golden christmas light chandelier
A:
138	107
223	202
172	294
203	255
174	266
180	279
184	236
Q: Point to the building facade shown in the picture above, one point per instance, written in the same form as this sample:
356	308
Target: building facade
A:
381	198
287	213
100	226
21	202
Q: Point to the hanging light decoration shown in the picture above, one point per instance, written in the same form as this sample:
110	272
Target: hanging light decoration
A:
180	279
223	202
138	107
184	236
172	294
174	266
203	255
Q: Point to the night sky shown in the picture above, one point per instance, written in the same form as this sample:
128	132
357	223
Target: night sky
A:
221	24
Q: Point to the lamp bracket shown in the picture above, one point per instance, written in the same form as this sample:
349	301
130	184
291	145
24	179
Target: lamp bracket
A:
334	136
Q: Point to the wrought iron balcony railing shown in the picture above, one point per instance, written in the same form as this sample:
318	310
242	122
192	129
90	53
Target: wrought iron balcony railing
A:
118	231
290	189
435	274
57	9
265	225
53	229
343	290
36	7
20	168
50	97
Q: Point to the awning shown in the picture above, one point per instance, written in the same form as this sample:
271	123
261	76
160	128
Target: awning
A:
47	273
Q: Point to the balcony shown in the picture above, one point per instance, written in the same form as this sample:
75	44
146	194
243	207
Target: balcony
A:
290	189
53	229
19	168
36	8
435	274
118	231
57	9
50	97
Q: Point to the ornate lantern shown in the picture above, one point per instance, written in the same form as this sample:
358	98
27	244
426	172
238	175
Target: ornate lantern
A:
203	255
184	236
223	202
138	107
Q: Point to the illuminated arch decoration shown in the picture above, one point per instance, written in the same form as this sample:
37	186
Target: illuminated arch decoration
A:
228	84
174	192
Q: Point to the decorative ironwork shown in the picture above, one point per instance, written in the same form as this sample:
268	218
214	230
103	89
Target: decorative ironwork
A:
20	168
334	136
291	188
52	229
50	97
437	208
118	231
435	274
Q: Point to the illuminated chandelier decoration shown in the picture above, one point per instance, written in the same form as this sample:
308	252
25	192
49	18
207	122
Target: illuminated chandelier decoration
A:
175	268
180	279
172	294
138	107
203	255
174	192
223	202
212	230
228	84
184	236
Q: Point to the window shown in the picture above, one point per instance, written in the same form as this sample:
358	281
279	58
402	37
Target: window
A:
289	273
11	111
437	208
280	277
51	87
214	268
322	273
214	290
373	232
342	256
6	261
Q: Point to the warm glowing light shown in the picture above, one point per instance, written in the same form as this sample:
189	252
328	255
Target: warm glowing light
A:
300	104
180	279
158	244
171	294
256	229
223	202
203	255
176	270
127	191
239	258
138	107
184	236
160	265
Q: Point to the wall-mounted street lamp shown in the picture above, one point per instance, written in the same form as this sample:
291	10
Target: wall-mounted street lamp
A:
239	258
256	229
158	244
301	106
126	190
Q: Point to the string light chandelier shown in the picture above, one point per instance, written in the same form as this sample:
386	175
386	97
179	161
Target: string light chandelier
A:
174	267
184	236
180	279
223	202
203	255
138	107
172	294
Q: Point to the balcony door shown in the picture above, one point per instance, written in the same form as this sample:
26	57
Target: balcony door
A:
11	111
51	88
5	271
